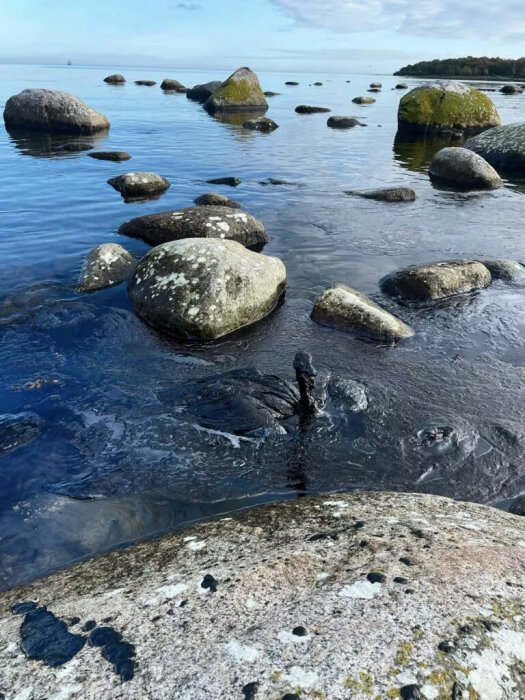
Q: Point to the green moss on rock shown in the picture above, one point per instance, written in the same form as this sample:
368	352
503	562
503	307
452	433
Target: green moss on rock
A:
240	92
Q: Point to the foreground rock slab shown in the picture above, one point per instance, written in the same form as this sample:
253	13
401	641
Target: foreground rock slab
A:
205	288
197	222
106	265
137	185
347	309
503	147
53	110
348	596
241	92
437	280
462	168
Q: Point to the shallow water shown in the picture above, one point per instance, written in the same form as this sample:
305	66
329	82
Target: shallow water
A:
114	460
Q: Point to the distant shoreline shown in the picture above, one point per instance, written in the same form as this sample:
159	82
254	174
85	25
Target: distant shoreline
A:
478	78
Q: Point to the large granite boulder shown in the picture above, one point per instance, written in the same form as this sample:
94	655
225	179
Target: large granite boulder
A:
172	85
347	309
106	265
437	280
443	105
205	288
460	167
502	147
115	79
138	185
53	110
200	93
349	596
197	222
241	92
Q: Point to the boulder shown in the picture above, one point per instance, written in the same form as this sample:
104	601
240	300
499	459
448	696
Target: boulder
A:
388	194
261	124
205	288
376	85
53	110
351	393
511	90
347	309
460	167
200	93
363	100
18	429
214	199
197	222
362	595
241	92
136	185
307	109
230	181
172	85
115	79
106	265
114	156
147	83
342	122
437	107
502	147
401	86
437	280
506	270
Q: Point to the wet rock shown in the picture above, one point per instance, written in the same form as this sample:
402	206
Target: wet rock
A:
53	110
241	92
374	90
147	83
46	638
308	109
205	288
291	82
502	147
342	122
170	84
363	100
115	79
197	222
230	181
275	181
17	430
517	507
139	185
511	90
376	85
200	93
215	199
347	309
261	124
106	265
76	147
460	167
387	194
114	156
506	270
438	106
401	86
351	393
437	280
269	93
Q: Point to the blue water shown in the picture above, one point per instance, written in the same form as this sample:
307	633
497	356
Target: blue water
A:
112	462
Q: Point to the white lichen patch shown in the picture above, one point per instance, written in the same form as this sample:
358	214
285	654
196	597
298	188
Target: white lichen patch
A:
363	590
242	653
196	546
298	677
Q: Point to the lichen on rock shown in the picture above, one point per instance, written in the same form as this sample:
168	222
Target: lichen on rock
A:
240	92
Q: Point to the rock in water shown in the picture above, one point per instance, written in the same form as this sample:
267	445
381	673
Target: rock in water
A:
17	430
230	181
502	147
291	82
200	93
115	79
173	85
147	83
270	93
115	156
342	122
401	86
506	270
347	309
511	90
387	194
135	185
106	265
376	85
205	288
197	222
363	100
443	105
53	110
261	124
214	199
437	280
460	167
241	92
307	109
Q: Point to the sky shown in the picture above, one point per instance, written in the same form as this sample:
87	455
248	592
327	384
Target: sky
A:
325	36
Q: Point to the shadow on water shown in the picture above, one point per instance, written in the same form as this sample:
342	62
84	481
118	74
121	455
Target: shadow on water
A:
41	144
415	153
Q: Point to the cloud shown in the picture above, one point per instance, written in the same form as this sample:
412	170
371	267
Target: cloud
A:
466	19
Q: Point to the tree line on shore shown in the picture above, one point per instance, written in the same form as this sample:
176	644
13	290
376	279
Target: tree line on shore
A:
482	67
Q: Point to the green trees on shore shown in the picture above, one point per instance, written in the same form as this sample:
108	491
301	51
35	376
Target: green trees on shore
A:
470	66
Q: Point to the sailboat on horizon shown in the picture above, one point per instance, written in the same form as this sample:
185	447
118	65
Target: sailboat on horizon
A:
69	63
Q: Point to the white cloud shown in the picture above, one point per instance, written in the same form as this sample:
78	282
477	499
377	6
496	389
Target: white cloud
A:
451	19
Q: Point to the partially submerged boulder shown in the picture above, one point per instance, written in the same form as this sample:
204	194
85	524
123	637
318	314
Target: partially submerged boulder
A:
53	110
512	89
401	86
261	124
376	85
197	222
387	194
363	100
146	83
347	309
502	147
106	265
437	107
229	180
437	280
460	167
308	109
115	79
18	429
205	288
137	185
506	270
114	156
172	85
215	199
342	122
200	93
241	92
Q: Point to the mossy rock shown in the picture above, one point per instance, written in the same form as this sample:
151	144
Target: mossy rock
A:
444	105
241	92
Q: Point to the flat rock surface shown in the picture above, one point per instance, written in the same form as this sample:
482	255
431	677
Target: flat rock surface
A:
342	596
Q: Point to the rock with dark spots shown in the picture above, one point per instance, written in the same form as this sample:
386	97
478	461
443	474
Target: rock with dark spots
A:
437	280
146	83
200	93
23	608
205	288
171	85
139	185
269	93
215	199
114	156
106	265
241	92
115	79
387	194
517	507
342	122
18	429
511	90
347	309
401	86
291	82
46	638
363	100
250	690
53	110
352	394
197	222
506	270
462	168
308	109
261	124
410	692
502	147
230	181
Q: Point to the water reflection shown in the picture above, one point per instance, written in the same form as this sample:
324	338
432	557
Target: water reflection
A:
41	144
416	153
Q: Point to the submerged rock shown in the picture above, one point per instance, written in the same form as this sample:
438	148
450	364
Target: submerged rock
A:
136	185
308	109
442	105
114	156
387	194
460	167
115	79
197	222
502	147
76	147
291	82
230	181
53	110
147	83
342	122
506	270
17	430
214	199
261	124
363	100
200	93
269	93
241	92
173	85
351	393
347	309
106	265
437	280
205	288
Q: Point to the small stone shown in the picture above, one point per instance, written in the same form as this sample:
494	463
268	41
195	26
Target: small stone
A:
106	265
300	631
115	79
138	184
308	109
342	122
114	156
376	577
376	85
387	194
210	583
231	181
291	82
506	270
269	93
462	168
260	124
214	199
401	86
410	692
511	90
363	100
171	85
147	83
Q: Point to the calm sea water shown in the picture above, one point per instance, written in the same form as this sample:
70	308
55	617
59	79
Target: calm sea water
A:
112	462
